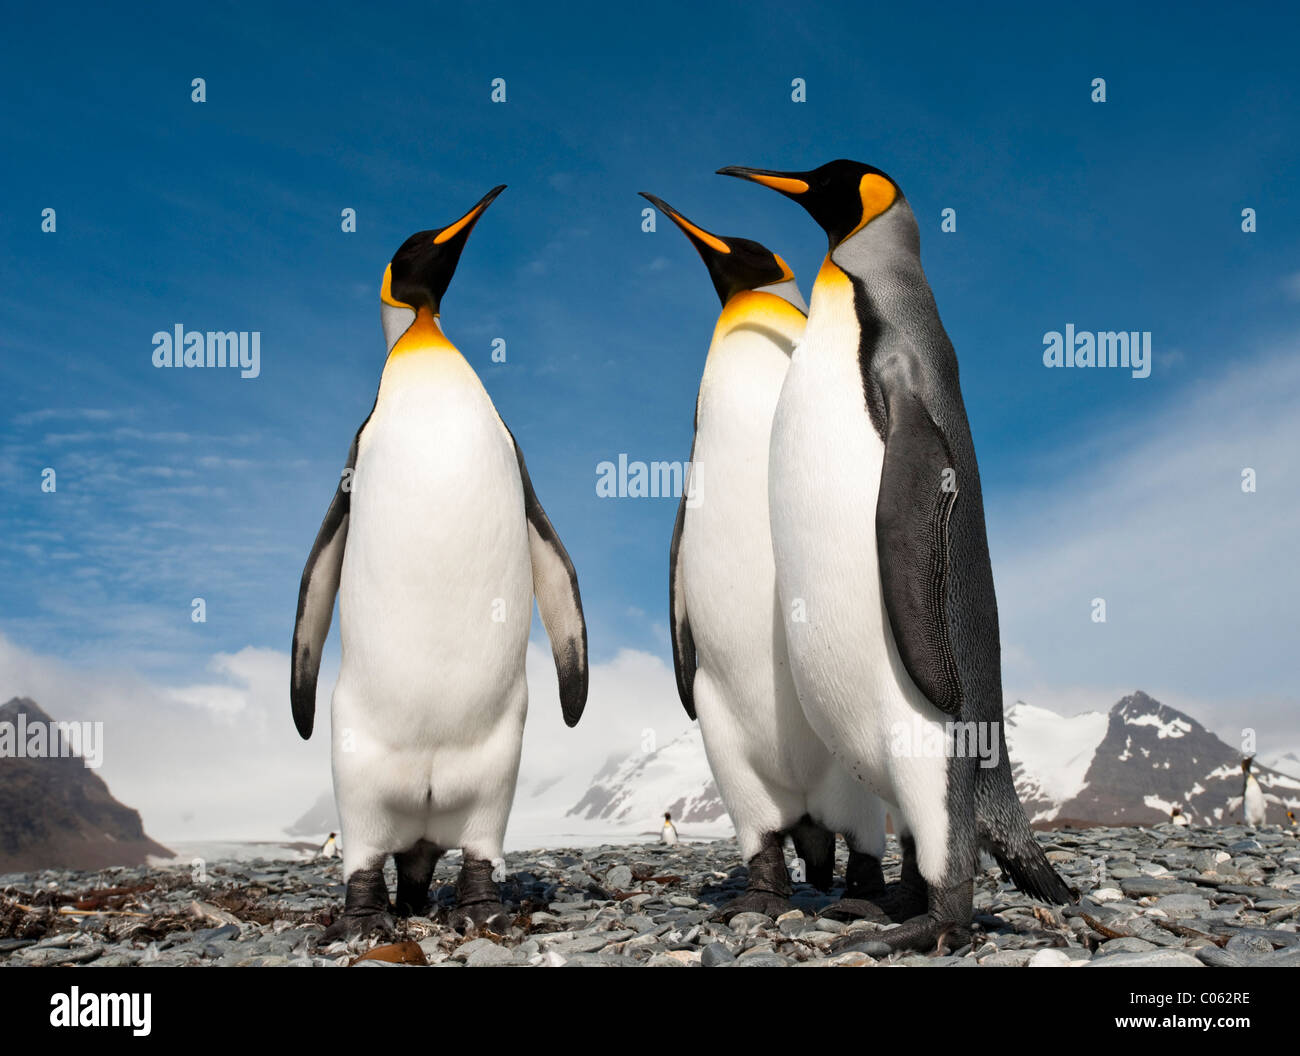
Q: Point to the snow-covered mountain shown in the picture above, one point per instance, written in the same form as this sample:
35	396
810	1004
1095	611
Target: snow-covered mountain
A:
1284	763
636	792
1131	766
1127	766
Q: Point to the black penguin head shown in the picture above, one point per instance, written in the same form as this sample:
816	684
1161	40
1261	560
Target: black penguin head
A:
1245	764
842	196
735	264
421	269
667	816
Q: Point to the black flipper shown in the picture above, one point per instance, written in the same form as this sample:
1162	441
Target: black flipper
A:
316	593
1004	831
918	488
555	584
684	662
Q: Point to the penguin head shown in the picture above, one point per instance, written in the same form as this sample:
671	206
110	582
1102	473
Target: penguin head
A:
421	270
1245	764
667	816
842	196
735	264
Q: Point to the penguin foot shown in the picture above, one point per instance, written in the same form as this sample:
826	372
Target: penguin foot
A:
752	901
908	898
359	925
478	900
481	916
768	889
898	902
946	923
365	909
847	909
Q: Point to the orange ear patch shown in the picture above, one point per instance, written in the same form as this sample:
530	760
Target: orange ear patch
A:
386	291
877	195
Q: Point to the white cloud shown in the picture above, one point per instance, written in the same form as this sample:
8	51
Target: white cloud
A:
633	697
1199	577
220	759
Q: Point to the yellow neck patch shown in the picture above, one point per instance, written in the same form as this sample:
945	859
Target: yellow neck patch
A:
751	306
831	276
423	335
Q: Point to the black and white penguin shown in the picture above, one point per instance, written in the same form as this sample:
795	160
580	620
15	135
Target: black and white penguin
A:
773	772
436	544
330	848
1254	809
668	834
881	553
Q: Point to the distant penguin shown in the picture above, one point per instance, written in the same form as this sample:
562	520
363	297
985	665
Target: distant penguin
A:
881	553
1177	817
330	848
436	544
1253	808
1290	817
668	834
774	775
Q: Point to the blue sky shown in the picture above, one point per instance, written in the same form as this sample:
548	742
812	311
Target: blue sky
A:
225	215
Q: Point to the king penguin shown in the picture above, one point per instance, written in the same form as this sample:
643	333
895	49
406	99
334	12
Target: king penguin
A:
436	545
1253	807
773	773
668	834
881	554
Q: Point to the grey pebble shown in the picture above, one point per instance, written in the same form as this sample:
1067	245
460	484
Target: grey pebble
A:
1147	959
716	954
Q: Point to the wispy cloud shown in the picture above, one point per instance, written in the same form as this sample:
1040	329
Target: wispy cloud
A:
220	759
1150	516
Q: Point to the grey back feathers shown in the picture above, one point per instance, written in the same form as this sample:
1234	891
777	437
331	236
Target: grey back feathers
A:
933	546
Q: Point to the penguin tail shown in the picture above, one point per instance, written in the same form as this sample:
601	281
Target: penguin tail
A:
816	846
1005	833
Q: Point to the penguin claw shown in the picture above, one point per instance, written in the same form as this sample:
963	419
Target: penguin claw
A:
847	909
899	902
764	902
359	925
926	934
480	916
